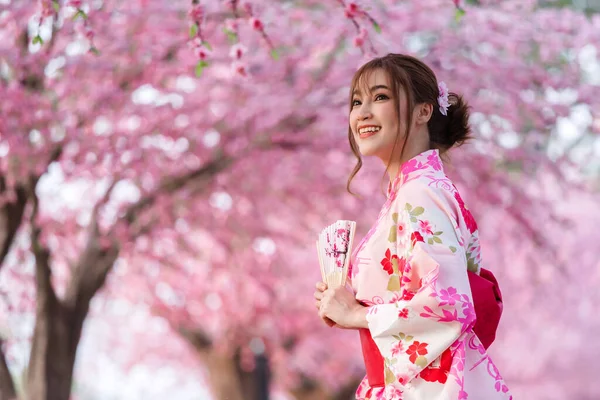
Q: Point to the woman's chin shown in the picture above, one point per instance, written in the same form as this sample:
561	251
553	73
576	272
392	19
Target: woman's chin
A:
367	151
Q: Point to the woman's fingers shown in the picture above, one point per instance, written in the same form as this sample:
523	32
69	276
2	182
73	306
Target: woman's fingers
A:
319	296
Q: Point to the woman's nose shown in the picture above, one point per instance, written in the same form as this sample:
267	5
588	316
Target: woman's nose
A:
365	113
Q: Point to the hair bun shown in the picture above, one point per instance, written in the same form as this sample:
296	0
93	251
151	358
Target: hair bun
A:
453	129
459	129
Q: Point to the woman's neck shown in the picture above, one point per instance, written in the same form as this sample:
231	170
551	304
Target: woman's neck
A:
416	143
393	168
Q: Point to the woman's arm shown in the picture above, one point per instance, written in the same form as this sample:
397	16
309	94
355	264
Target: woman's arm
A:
339	307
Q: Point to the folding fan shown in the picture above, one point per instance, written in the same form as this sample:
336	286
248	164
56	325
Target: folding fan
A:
334	247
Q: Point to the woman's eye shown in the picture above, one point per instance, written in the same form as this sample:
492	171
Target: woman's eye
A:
381	97
355	103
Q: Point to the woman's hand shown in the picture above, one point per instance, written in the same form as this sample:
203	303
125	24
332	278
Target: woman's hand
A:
339	306
321	287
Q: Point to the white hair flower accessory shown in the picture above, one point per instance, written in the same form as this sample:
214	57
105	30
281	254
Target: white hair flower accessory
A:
443	98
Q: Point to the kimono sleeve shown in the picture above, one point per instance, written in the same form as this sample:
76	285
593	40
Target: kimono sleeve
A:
434	305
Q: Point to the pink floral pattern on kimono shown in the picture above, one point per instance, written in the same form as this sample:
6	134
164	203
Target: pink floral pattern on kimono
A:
411	269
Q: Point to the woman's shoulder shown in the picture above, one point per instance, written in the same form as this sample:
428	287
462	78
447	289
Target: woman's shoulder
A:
434	196
433	186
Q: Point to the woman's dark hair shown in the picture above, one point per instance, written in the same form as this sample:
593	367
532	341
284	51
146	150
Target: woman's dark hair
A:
420	85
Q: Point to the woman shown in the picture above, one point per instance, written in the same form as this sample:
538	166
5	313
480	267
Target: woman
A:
412	300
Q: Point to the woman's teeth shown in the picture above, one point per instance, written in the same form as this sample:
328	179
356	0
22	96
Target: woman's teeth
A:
368	131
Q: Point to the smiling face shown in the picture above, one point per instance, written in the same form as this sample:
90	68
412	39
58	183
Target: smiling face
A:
394	113
374	121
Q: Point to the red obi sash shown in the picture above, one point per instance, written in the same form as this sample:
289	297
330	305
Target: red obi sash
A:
487	301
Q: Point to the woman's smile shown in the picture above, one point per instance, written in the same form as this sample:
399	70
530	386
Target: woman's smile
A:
366	131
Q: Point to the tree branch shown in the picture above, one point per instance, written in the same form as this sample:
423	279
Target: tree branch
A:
11	215
91	270
102	251
171	185
196	338
44	290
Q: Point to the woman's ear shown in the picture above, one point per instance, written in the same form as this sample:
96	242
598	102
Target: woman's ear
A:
424	113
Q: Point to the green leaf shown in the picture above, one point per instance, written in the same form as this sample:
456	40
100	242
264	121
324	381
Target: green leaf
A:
275	54
413	219
393	235
421	361
389	376
471	266
376	27
430	241
397	337
207	45
80	13
37	39
437	239
453	249
200	67
56	6
395	217
94	50
394	283
231	36
417	211
459	14
438	233
193	30
408	207
395	267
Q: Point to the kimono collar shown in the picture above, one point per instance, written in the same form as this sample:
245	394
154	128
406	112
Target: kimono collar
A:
428	161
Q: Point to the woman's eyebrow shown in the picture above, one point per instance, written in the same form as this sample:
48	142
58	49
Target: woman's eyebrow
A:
372	89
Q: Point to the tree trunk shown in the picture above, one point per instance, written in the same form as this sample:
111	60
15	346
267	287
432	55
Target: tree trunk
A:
7	387
229	381
53	351
11	216
310	393
348	391
223	376
58	323
226	378
312	390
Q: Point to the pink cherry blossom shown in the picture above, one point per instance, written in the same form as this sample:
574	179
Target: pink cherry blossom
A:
262	162
231	24
398	348
359	41
256	24
237	51
352	9
75	3
449	296
425	227
239	68
197	12
203	53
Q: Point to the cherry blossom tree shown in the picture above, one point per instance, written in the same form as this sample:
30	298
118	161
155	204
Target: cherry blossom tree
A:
204	145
